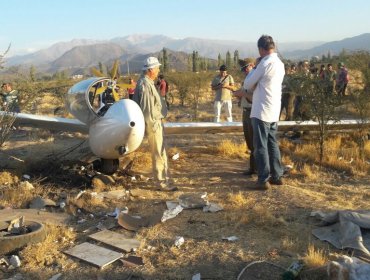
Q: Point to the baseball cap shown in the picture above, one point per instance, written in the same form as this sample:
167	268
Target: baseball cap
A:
151	62
223	68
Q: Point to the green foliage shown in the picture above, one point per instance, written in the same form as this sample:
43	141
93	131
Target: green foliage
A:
195	61
228	60
318	103
32	73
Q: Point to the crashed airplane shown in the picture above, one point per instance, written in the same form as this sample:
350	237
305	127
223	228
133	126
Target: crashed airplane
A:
118	129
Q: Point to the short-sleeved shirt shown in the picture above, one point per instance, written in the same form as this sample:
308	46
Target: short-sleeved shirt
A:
223	93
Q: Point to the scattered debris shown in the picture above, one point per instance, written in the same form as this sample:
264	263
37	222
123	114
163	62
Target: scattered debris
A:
30	232
230	238
171	213
172	204
80	194
293	270
39	203
35	215
116	194
132	261
197	200
212	207
116	240
196	277
56	276
179	241
262	269
94	254
26	176
350	268
15	225
117	211
15	261
135	223
176	156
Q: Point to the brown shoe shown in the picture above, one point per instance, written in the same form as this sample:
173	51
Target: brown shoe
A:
260	186
278	182
166	188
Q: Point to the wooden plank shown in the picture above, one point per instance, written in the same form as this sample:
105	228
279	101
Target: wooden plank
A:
116	240
94	254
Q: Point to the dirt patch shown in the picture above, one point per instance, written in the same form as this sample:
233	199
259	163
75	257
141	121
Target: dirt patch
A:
274	226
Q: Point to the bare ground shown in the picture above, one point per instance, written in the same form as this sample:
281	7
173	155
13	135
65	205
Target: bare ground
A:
273	225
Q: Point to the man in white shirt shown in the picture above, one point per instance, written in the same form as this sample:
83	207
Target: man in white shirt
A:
265	83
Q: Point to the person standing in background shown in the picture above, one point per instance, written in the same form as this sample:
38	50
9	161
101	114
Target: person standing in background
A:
223	85
131	90
10	98
246	120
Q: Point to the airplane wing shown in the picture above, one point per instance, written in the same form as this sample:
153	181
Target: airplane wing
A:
74	125
51	123
234	127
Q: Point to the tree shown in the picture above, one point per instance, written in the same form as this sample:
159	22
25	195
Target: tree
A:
101	67
219	60
236	58
165	61
319	104
228	60
195	61
32	73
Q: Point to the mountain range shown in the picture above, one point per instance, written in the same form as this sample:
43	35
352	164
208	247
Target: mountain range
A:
80	54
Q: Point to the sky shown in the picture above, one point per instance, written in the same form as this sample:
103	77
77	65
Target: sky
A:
30	25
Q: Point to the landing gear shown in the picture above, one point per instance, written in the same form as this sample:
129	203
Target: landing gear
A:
107	166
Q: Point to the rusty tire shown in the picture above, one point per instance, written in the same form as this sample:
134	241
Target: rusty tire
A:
11	243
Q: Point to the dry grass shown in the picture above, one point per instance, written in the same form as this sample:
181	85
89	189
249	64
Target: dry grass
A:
315	257
230	149
48	253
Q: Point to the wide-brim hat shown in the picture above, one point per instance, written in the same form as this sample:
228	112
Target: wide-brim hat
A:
151	62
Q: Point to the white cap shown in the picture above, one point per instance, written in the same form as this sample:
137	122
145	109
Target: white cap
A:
151	62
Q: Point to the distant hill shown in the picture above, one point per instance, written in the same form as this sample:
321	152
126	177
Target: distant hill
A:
80	54
360	42
50	54
86	56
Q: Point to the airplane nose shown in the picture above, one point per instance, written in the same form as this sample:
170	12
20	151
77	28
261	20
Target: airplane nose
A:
120	131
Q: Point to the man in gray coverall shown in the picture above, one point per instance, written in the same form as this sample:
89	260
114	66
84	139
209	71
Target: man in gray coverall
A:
150	102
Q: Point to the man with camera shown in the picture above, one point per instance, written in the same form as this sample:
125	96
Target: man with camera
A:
223	85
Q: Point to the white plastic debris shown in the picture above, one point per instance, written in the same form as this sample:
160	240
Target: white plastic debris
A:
172	213
117	211
15	261
196	277
79	194
176	156
62	205
26	176
212	207
179	241
56	276
230	238
171	204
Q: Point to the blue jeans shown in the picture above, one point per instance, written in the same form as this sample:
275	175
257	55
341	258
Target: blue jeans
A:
266	150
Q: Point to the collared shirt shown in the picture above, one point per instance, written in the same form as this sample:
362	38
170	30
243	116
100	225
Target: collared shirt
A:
223	93
149	100
268	78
